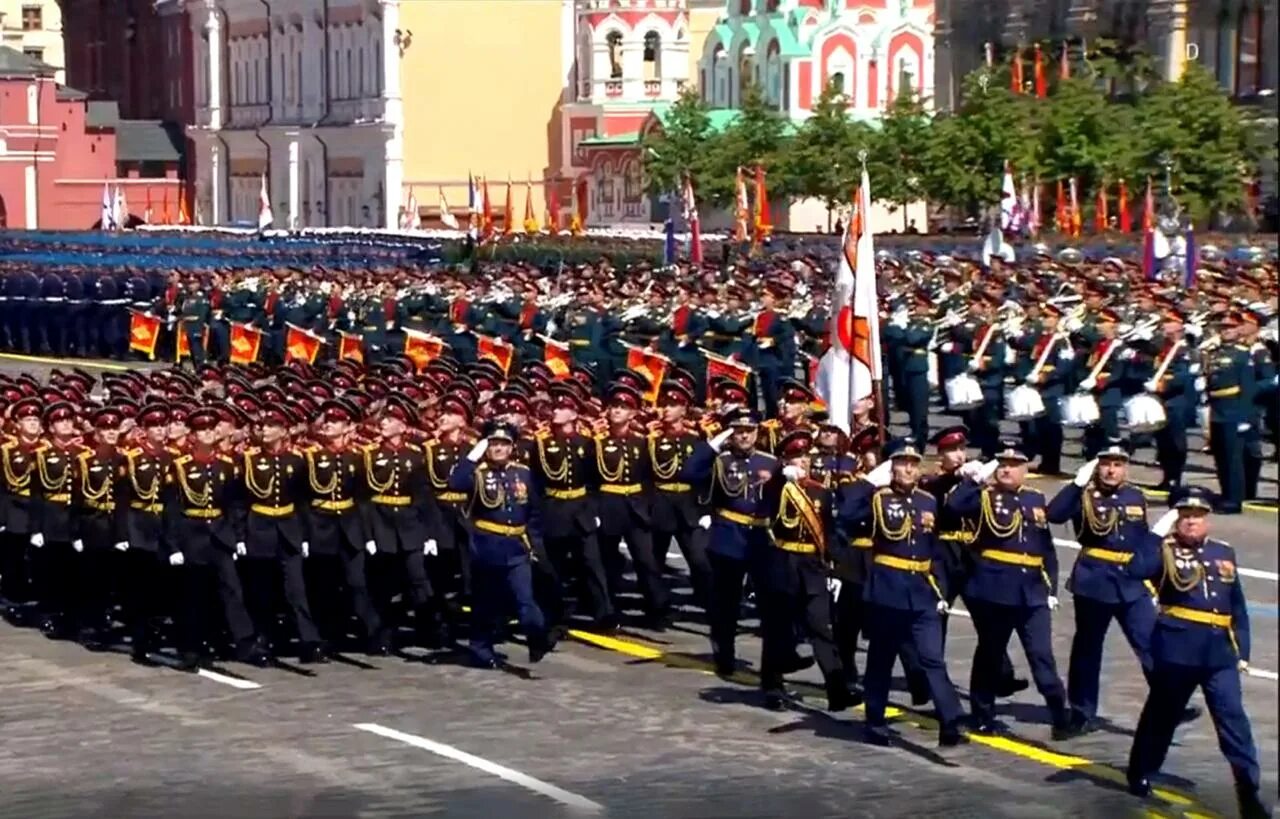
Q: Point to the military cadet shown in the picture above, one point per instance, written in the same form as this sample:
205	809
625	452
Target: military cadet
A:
679	342
49	314
203	533
452	439
956	536
794	575
678	511
902	592
793	400
336	531
626	502
1264	398
94	504
193	322
1013	585
585	324
74	336
733	473
564	459
53	529
1048	366
504	507
139	499
1106	374
770	348
914	334
398	519
1230	384
1169	379
1201	640
837	471
983	344
17	512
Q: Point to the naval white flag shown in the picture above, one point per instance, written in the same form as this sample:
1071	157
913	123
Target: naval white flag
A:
265	216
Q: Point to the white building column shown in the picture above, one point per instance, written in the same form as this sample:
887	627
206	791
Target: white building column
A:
217	183
213	28
295	204
393	178
393	119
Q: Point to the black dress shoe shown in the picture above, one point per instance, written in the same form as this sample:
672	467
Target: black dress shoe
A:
1251	806
919	698
839	698
950	736
189	661
1074	725
775	700
313	654
540	647
879	736
486	661
726	668
606	625
1141	786
1190	714
796	663
1011	686
993	727
379	645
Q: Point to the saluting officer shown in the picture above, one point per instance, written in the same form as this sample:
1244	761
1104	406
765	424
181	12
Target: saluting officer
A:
1013	585
1201	640
203	533
506	516
903	595
795	575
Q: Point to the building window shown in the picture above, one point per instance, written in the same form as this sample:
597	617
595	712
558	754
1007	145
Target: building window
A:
299	86
652	56
614	42
350	72
32	18
1247	62
377	68
360	76
34	53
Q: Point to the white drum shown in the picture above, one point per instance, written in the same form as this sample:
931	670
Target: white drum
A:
1023	403
1080	410
1143	413
963	392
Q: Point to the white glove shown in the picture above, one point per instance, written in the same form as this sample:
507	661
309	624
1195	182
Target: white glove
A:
370	547
1085	474
122	546
969	469
1243	665
78	545
1065	354
1144	333
984	472
704	522
1072	323
1164	525
176	559
1200	384
1194	369
37	540
477	452
1053	603
306	549
241	551
947	347
942	607
898	319
1194	330
881	475
973	365
1088	384
791	473
1244	426
1151	385
718	442
597	520
430	548
834	585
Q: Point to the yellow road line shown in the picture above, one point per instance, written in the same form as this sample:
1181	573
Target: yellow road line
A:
1009	745
64	362
1254	506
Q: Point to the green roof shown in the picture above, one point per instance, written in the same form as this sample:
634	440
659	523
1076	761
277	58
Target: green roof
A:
144	140
788	45
13	63
629	138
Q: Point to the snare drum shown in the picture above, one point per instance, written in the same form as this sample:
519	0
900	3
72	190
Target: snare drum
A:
1023	403
1143	414
963	393
1079	410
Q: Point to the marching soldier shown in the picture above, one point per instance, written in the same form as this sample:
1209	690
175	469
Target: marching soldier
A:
914	333
770	348
983	344
849	572
506	518
1201	640
794	400
1012	586
17	512
204	533
1049	360
451	442
794	575
1170	381
1230	383
59	572
94	503
1106	375
903	596
1264	399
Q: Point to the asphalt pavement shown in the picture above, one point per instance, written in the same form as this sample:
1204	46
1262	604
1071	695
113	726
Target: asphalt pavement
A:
629	726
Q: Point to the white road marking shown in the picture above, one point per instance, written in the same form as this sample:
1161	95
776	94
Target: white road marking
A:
1260	574
571	800
234	682
1263	674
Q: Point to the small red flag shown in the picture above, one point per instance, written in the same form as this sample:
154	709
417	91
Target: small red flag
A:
724	368
144	333
495	350
1015	72
557	357
1126	218
1042	87
651	365
246	341
1100	220
422	348
301	345
350	347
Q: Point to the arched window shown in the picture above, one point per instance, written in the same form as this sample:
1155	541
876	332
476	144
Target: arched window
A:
350	73
744	7
837	79
652	56
377	67
771	6
360	62
614	42
745	73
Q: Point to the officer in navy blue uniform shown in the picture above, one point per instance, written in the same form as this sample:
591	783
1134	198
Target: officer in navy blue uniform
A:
24	297
912	335
1201	640
74	336
506	519
1013	584
50	315
1263	400
903	588
1230	383
1175	388
734	474
1109	516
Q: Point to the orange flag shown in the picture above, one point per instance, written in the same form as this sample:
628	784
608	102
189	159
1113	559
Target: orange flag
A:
350	347
762	228
1061	218
531	224
495	350
508	214
553	209
486	223
1125	218
556	355
1015	72
301	345
182	348
1042	87
246	342
422	348
164	205
1100	220
724	368
651	365
144	333
184	216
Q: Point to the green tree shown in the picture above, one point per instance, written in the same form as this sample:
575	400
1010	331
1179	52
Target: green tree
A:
1083	135
821	159
897	160
758	136
679	147
1194	125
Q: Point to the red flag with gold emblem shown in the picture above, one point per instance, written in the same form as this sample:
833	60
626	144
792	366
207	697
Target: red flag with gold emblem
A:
718	367
557	357
653	366
350	347
246	342
144	333
422	348
495	350
761	228
182	347
301	344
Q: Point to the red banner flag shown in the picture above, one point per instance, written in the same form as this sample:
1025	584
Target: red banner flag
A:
762	228
182	347
350	347
144	333
495	350
486	222
246	342
422	348
724	368
553	208
1061	219
301	345
1015	72
653	366
184	215
1125	218
1042	87
556	355
508	214
1100	217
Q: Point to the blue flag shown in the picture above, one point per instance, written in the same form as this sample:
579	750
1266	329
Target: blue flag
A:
669	246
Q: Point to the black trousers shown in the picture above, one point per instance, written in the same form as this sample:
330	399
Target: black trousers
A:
141	586
653	588
727	576
795	594
692	542
848	614
404	572
213	597
262	578
337	590
15	573
580	566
